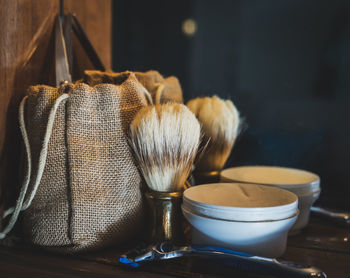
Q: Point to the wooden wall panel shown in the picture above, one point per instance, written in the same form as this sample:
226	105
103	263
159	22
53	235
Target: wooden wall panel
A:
95	17
26	58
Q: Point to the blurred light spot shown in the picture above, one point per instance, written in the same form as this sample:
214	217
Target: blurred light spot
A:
346	239
189	27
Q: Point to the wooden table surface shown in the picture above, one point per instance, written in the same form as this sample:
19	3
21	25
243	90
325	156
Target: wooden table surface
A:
321	244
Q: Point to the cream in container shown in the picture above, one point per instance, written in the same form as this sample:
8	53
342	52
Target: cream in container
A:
253	219
304	184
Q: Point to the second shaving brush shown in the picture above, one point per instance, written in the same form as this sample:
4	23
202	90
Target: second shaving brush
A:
165	140
220	123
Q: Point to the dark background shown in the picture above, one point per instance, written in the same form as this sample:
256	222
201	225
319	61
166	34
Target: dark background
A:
285	65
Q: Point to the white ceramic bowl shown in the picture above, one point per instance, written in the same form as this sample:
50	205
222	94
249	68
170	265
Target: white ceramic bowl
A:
266	238
304	184
253	219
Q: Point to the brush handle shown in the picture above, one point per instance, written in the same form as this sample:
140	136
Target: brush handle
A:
166	219
243	261
206	177
340	217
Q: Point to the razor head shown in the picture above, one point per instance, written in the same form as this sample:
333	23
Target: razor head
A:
136	257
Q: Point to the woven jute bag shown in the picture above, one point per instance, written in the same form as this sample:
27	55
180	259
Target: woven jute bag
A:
82	190
162	89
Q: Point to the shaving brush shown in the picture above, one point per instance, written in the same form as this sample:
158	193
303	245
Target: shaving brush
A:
165	140
220	124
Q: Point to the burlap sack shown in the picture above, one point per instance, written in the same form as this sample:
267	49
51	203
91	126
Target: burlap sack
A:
150	80
89	195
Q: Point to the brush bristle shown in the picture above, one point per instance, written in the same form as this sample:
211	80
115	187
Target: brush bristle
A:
165	140
220	123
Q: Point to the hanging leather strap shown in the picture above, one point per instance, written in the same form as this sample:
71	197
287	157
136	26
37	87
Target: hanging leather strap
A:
86	44
61	58
63	47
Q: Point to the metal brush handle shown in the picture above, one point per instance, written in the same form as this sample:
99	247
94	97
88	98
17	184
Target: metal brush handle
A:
260	264
238	260
340	217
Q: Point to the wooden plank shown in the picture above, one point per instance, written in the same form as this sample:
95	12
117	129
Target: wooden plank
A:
332	263
34	263
103	264
335	263
16	262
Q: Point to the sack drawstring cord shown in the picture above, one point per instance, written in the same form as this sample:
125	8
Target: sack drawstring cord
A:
20	203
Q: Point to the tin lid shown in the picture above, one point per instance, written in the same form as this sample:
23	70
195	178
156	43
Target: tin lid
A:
300	182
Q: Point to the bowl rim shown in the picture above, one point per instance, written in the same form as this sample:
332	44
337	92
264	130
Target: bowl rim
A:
235	208
236	221
237	213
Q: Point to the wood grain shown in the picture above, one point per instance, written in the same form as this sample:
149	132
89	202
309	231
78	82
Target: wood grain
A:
26	58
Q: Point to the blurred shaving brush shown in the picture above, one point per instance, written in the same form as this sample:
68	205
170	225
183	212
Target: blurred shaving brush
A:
165	140
220	124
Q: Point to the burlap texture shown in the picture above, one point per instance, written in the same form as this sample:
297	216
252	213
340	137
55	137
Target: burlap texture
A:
90	194
172	91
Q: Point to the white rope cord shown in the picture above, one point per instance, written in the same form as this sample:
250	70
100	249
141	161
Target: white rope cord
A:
20	205
159	92
29	166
